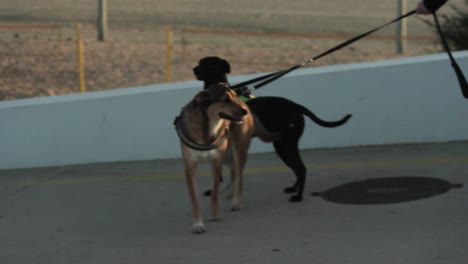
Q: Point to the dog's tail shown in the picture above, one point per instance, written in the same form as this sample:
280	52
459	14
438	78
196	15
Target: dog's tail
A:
321	122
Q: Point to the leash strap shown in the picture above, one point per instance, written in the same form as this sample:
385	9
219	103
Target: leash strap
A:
273	76
261	78
456	68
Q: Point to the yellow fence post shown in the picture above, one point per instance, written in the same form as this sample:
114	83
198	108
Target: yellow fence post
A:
80	50
169	53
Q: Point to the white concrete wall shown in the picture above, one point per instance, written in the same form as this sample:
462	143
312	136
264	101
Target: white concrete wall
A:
411	100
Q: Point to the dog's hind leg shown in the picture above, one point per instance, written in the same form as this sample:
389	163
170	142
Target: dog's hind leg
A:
217	170
288	151
237	167
235	189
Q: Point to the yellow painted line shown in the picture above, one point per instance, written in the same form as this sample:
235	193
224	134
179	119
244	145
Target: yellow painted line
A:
363	164
392	163
251	171
99	180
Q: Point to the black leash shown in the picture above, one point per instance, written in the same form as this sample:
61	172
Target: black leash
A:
273	76
456	68
266	79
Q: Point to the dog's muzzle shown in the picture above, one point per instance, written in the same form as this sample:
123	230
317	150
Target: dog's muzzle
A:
197	72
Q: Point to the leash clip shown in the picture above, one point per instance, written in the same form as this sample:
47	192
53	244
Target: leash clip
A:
244	90
307	62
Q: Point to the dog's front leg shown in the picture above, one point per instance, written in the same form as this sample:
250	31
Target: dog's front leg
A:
197	227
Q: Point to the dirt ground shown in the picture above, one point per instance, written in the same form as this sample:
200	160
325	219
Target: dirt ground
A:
44	63
49	69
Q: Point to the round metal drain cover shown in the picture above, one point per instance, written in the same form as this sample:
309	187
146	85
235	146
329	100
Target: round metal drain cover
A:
387	190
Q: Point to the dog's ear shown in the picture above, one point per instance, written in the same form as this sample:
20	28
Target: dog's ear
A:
224	66
202	97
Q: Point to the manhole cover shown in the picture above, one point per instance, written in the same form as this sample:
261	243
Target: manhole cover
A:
387	190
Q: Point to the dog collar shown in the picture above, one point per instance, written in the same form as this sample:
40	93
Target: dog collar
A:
185	138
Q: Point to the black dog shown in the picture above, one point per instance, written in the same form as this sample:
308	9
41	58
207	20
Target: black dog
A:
277	120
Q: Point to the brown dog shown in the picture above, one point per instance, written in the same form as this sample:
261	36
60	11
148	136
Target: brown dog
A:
277	120
218	127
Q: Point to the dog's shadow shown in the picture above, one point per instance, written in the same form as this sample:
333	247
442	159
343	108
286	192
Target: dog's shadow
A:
386	190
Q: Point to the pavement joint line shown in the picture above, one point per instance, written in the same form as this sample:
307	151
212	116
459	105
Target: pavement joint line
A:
250	171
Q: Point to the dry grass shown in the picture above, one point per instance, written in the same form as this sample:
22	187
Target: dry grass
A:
135	54
114	64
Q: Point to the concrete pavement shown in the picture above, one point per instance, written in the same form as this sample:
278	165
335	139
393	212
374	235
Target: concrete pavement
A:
139	212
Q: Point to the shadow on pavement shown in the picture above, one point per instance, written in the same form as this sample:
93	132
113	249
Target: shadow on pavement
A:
387	190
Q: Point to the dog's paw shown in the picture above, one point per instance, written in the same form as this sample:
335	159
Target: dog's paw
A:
291	189
198	228
295	198
235	207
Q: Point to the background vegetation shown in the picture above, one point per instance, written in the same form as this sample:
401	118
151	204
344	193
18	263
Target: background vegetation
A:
43	62
455	27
